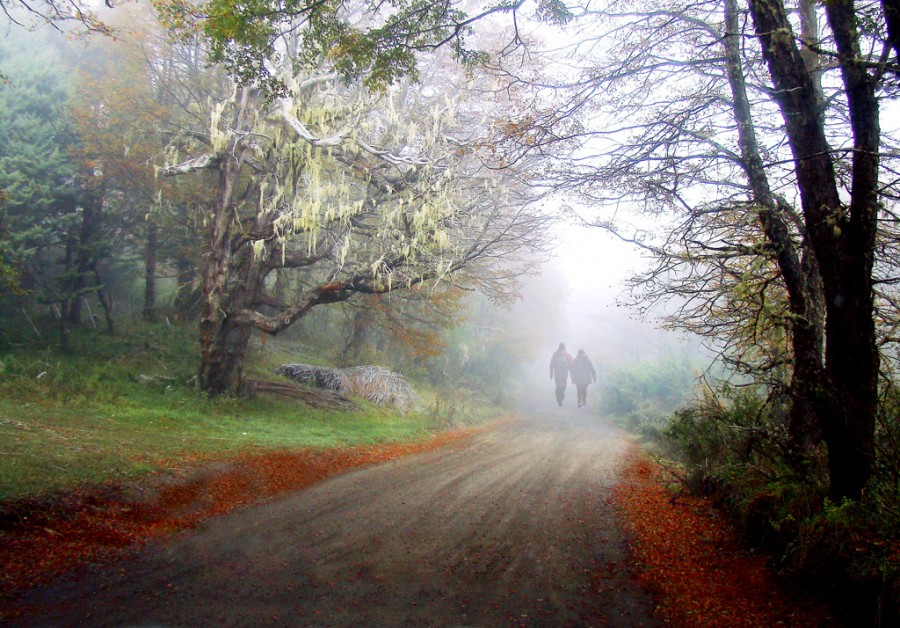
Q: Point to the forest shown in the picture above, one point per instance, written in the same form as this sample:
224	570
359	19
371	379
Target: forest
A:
381	183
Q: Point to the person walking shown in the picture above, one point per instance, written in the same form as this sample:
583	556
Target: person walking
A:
583	374
560	364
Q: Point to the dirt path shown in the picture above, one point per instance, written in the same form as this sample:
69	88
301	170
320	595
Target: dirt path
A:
515	527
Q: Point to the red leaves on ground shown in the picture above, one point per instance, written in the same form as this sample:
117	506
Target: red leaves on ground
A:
44	538
694	564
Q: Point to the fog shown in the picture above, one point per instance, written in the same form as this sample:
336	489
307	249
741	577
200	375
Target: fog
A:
576	299
579	299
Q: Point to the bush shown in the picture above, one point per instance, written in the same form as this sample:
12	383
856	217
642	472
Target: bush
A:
733	447
643	396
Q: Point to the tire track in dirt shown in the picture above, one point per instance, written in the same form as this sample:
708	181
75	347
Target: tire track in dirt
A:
513	527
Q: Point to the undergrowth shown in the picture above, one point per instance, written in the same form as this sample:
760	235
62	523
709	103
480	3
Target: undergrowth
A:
732	447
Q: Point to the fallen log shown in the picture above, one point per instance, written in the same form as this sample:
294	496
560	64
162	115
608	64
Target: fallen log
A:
323	399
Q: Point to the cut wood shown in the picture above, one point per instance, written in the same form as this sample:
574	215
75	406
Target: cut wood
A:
315	397
374	383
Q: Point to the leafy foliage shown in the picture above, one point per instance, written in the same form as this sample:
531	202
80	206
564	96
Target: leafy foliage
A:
380	49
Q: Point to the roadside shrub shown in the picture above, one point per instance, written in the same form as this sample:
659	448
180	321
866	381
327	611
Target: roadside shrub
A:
733	448
723	436
642	396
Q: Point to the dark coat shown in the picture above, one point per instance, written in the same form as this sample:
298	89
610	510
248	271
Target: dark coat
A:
583	370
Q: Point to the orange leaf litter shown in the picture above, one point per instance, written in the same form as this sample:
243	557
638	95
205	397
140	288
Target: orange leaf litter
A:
694	564
688	558
43	539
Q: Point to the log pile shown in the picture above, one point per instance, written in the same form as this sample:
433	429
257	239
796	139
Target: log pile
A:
316	375
374	383
316	397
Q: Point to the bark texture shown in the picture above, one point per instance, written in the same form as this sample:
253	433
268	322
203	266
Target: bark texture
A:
842	236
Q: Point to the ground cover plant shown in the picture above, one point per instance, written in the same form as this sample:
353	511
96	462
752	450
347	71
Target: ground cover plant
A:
123	405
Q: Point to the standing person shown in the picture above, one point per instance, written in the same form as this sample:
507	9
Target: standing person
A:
583	374
559	370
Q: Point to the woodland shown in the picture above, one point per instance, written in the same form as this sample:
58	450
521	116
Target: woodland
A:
382	176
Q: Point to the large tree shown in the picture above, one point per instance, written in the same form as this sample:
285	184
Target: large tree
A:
365	193
840	214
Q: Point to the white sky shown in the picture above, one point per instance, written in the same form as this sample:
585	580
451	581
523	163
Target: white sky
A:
595	263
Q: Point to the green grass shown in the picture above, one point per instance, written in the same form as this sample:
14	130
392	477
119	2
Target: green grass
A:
93	414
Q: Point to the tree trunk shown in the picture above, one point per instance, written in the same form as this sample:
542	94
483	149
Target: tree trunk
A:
103	297
892	22
224	336
280	289
67	300
229	286
359	335
73	280
150	256
64	326
187	297
842	238
222	348
800	273
852	357
85	253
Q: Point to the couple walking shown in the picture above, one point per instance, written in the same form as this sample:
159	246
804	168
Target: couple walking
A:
581	369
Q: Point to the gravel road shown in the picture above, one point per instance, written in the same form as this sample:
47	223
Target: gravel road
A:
512	527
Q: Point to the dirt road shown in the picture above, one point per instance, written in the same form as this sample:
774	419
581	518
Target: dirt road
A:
514	527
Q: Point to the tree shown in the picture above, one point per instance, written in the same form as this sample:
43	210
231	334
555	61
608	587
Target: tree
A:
124	124
41	221
841	234
776	177
362	39
366	193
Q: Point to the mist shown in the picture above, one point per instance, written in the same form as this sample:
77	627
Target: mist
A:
580	299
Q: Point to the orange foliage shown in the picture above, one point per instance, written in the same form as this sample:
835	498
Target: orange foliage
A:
692	561
417	341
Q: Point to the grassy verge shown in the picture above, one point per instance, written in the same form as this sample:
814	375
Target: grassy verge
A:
119	406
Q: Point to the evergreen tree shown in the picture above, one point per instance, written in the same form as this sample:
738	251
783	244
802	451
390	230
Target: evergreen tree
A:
37	175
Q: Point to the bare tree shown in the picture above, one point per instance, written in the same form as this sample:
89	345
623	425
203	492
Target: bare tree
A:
760	147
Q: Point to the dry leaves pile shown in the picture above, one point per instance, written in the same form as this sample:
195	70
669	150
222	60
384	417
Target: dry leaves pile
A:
692	562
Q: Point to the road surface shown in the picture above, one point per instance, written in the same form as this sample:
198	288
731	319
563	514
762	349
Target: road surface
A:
514	526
